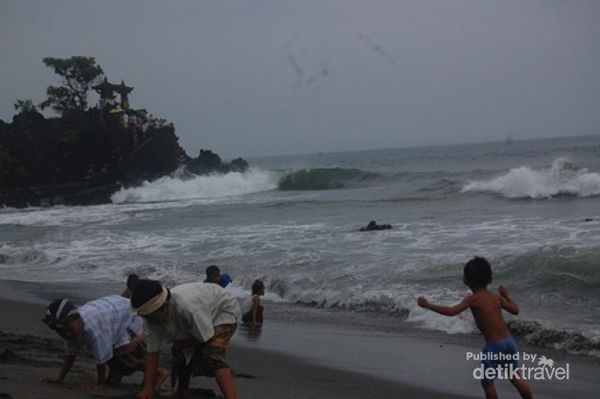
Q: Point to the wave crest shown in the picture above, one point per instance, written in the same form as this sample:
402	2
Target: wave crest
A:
324	178
563	178
198	187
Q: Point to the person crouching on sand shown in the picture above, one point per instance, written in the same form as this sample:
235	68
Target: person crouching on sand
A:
108	329
199	320
486	307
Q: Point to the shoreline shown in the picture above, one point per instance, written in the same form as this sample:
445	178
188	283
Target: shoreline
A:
293	356
30	351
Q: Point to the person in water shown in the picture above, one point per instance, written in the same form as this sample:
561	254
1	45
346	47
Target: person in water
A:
374	226
252	310
213	275
486	307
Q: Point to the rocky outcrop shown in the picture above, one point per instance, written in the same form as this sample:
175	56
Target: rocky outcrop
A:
85	157
209	162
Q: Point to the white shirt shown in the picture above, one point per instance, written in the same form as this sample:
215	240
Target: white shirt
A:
248	304
195	310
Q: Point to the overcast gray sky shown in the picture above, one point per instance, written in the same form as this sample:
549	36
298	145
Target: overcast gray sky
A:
267	77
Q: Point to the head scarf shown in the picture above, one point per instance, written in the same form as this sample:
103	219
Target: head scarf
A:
152	304
58	313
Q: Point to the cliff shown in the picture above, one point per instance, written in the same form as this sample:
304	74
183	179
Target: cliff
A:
83	158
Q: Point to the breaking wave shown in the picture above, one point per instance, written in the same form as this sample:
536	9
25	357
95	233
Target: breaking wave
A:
562	178
533	277
534	333
198	187
324	178
574	270
32	256
529	332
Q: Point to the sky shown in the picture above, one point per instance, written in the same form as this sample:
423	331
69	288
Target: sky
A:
275	77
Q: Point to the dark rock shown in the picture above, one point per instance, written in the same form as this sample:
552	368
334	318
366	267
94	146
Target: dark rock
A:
239	165
373	226
209	162
83	158
28	119
157	156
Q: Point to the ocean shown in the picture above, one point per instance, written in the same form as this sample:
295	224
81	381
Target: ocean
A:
531	207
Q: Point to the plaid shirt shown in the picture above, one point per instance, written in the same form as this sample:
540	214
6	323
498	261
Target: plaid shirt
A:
107	323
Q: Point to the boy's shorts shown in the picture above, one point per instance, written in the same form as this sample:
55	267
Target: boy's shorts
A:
210	356
502	349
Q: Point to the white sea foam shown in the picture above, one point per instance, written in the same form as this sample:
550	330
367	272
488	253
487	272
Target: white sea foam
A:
98	215
241	293
199	187
461	324
524	182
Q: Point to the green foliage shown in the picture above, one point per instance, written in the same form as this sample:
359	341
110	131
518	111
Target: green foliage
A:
78	75
26	105
158	123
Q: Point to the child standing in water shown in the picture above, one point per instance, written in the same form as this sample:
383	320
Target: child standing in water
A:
486	307
252	310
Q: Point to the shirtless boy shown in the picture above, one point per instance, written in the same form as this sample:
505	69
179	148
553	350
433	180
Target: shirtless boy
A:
486	307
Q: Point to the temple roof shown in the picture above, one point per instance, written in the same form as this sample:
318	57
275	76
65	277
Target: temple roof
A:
106	88
122	88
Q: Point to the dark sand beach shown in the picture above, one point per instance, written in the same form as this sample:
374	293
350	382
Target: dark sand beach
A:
310	358
29	352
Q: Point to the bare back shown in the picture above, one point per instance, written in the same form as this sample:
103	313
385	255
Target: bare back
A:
486	307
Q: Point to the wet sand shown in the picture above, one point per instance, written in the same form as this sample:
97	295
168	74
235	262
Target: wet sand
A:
29	351
289	359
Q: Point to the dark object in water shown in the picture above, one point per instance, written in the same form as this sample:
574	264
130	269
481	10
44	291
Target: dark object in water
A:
374	226
588	220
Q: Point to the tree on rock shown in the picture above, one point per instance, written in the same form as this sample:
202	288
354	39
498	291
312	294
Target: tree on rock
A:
26	105
78	74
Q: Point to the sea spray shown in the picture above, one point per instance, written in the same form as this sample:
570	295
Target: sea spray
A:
198	187
563	178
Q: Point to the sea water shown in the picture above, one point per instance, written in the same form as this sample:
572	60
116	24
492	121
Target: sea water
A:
531	207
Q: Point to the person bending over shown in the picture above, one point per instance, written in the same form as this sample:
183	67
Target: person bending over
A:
108	329
198	320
